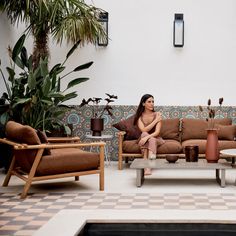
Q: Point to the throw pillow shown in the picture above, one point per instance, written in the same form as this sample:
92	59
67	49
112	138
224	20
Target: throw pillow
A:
43	138
226	132
127	125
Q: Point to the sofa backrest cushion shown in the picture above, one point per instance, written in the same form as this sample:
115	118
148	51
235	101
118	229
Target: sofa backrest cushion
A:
226	132
170	129
43	139
127	125
23	134
196	128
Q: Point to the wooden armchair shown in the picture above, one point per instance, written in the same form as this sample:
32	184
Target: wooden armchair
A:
58	158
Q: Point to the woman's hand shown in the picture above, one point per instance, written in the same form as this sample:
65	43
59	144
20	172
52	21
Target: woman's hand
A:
158	117
143	140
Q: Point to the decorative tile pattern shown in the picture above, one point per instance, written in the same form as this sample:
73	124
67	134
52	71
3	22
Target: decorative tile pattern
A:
80	118
24	217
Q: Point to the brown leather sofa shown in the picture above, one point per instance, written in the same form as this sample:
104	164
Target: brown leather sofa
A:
177	134
38	158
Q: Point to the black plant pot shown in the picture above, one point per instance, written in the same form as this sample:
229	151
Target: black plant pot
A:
97	126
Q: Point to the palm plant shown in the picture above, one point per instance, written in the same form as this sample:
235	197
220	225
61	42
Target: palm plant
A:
72	20
34	95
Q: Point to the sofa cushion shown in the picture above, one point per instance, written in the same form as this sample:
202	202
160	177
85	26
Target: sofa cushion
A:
226	132
23	134
170	129
43	139
170	147
201	143
196	128
127	125
131	146
66	160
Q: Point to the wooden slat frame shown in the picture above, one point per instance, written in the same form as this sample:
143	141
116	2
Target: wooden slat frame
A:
70	142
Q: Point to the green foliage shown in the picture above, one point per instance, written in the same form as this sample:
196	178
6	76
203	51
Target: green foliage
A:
34	95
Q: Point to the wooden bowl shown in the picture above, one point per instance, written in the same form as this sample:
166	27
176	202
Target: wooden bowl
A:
172	158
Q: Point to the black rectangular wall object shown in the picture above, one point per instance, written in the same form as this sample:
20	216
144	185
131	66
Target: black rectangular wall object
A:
178	33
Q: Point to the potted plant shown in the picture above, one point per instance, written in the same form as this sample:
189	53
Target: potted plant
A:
212	146
34	94
97	120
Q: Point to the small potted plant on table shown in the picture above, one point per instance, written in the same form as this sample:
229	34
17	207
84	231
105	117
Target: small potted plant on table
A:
97	121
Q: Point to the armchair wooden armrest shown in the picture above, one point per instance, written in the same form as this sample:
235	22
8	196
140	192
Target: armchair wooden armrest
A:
31	176
63	139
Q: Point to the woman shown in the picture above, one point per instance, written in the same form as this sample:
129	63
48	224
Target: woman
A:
149	122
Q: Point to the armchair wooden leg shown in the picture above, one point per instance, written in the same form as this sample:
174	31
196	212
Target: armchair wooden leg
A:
9	173
76	178
32	173
26	188
101	174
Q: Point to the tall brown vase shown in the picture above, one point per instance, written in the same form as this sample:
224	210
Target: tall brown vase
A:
97	126
212	146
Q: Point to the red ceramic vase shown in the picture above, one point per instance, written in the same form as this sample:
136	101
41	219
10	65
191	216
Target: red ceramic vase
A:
212	146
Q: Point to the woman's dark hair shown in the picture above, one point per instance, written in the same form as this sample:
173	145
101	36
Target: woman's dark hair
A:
140	109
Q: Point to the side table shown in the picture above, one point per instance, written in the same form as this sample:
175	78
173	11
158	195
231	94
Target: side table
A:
232	154
105	138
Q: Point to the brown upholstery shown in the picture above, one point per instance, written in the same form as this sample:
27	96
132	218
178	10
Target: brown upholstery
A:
170	147
131	131
196	128
226	132
170	129
23	134
178	133
65	159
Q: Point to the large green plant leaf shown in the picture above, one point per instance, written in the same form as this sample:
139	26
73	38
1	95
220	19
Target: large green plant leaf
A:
84	66
73	49
31	81
69	96
46	86
18	47
44	67
24	57
76	81
11	73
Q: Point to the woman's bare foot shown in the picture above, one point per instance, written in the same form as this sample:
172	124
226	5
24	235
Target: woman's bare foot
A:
147	171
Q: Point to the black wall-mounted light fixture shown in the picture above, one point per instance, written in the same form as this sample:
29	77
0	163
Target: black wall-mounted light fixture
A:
178	35
103	18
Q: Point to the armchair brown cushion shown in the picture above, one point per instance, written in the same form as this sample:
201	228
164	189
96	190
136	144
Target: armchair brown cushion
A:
23	134
132	131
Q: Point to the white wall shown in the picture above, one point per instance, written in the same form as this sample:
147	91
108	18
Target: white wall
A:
140	57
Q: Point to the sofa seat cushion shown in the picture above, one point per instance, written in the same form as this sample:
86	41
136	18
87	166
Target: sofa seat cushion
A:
131	146
67	160
196	128
201	143
170	147
226	144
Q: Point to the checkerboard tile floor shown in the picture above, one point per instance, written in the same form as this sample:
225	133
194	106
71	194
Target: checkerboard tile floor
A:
24	217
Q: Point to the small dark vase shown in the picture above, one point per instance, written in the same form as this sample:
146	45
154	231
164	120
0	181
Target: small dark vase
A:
191	153
212	146
97	126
